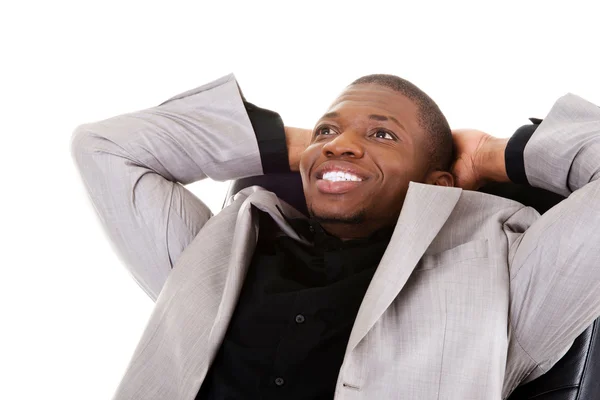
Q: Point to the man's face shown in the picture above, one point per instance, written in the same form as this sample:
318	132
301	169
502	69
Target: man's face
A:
371	133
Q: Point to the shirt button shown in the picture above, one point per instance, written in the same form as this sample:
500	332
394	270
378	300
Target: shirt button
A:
310	228
279	381
300	318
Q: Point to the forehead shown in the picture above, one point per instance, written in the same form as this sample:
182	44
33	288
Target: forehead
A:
366	99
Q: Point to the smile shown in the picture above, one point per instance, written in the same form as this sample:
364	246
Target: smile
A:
337	176
337	186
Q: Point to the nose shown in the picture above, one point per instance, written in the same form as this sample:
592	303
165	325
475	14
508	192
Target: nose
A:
345	144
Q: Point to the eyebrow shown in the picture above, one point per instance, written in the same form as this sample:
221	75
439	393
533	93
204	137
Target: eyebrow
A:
331	115
384	118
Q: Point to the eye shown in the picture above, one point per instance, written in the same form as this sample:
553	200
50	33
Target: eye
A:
324	131
384	135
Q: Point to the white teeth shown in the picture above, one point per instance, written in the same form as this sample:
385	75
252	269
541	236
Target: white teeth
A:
336	176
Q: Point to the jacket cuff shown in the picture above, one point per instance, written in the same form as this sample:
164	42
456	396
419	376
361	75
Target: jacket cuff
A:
270	135
513	156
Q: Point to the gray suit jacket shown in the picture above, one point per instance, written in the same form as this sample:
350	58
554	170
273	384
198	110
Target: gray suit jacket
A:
474	295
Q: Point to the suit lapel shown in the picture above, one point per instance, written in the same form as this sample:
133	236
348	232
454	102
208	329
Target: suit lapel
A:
243	245
425	210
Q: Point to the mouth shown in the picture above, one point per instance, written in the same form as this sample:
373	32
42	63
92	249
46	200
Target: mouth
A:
338	182
330	187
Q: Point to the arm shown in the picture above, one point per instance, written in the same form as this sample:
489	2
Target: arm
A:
134	167
554	260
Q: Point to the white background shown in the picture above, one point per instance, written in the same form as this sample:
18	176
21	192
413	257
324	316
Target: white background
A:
70	314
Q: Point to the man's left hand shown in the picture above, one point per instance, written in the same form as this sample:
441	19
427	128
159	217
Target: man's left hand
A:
471	148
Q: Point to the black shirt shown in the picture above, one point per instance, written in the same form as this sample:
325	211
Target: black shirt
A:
290	328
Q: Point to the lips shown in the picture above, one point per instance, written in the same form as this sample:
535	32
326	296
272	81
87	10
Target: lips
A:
339	187
341	166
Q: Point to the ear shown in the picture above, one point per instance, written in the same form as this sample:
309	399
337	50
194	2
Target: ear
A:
441	178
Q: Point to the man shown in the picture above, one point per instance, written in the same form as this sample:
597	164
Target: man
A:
400	284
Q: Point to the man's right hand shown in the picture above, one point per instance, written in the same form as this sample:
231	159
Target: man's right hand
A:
297	140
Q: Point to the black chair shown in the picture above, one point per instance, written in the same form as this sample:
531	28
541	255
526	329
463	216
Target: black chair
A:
575	377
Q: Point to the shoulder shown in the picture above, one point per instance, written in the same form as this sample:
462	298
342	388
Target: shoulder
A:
478	215
478	208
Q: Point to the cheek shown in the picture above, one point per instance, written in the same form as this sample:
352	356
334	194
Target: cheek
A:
398	163
392	193
396	178
307	161
396	166
394	189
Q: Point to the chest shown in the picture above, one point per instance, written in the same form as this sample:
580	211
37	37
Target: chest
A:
445	331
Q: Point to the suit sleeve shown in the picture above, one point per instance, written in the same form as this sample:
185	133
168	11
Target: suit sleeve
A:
554	259
134	167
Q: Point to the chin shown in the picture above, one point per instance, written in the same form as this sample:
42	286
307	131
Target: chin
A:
336	216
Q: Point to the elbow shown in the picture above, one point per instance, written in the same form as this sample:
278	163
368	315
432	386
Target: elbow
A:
82	143
78	141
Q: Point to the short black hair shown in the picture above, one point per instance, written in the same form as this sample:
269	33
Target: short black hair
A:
439	143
